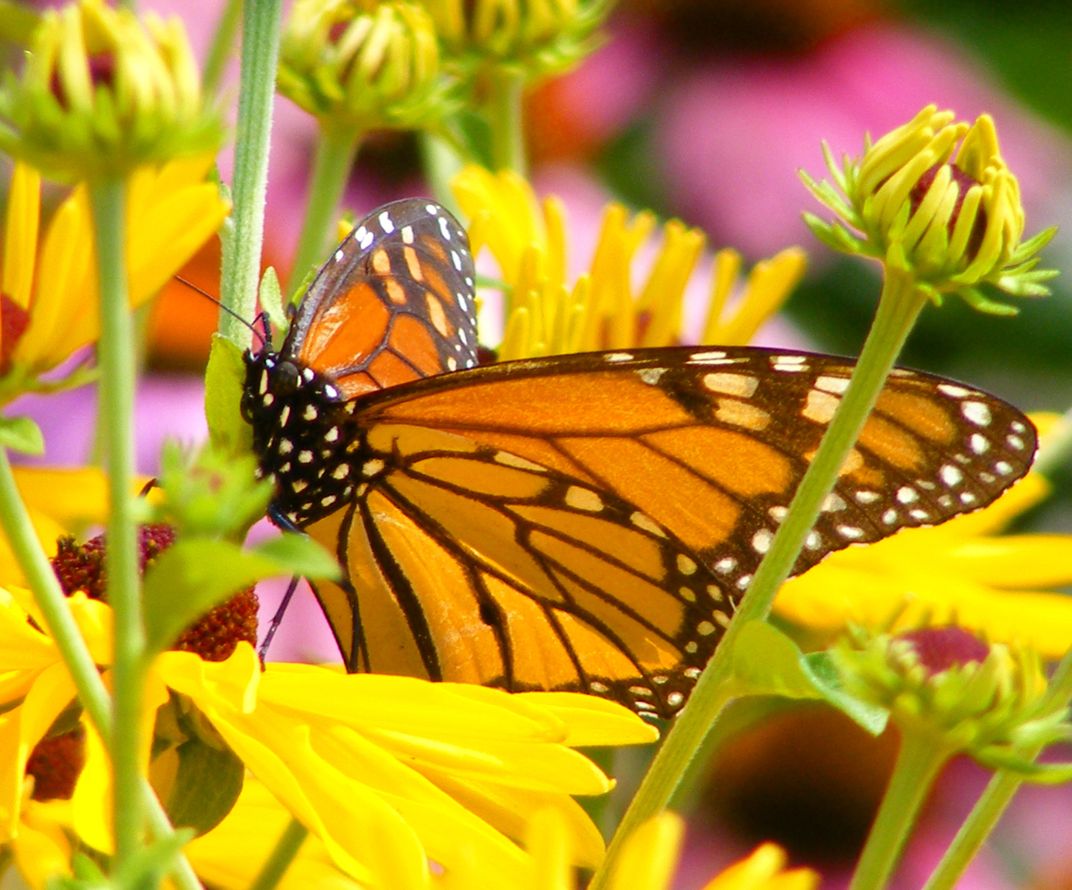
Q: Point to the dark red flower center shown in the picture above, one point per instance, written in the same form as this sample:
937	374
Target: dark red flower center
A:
941	648
55	763
964	182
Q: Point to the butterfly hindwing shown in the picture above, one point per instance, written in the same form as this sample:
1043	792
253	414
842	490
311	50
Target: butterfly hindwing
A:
474	565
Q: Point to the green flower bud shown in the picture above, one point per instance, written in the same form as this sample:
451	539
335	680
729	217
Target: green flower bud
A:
362	65
935	198
532	37
103	92
987	700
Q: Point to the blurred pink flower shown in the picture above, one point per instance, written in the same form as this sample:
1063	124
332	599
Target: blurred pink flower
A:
734	133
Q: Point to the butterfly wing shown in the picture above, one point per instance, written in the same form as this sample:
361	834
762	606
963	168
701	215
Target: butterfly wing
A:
393	303
587	522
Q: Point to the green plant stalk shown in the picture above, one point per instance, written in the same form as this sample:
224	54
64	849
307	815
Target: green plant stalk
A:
118	373
335	151
286	848
222	43
61	627
242	254
897	311
440	162
1056	450
505	115
60	623
992	803
919	761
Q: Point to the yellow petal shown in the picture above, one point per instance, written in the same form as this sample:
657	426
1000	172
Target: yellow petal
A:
18	260
648	858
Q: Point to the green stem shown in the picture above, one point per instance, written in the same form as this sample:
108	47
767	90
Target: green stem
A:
334	159
506	118
286	848
59	622
897	311
220	50
118	373
918	763
440	162
242	250
993	801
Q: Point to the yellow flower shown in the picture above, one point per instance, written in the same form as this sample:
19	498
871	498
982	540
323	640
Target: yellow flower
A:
649	858
963	572
534	39
103	92
361	66
389	773
48	284
393	772
602	309
254	826
935	197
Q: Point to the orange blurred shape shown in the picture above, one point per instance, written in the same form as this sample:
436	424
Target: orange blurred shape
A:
182	320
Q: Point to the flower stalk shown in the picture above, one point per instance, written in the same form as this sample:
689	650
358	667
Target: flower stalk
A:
335	151
118	372
898	309
994	800
919	761
242	251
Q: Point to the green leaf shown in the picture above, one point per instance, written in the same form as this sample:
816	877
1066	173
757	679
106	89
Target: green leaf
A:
825	678
1028	771
206	785
194	575
301	555
225	378
213	494
271	299
767	662
21	434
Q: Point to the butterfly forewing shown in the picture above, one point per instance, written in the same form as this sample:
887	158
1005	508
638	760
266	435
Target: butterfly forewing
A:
583	522
393	303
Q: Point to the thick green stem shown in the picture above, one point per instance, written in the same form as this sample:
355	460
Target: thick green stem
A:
505	114
242	250
440	162
992	803
118	373
331	169
918	763
286	848
897	311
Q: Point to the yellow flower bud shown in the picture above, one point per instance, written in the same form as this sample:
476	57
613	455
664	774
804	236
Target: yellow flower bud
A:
934	197
103	93
988	700
362	65
534	37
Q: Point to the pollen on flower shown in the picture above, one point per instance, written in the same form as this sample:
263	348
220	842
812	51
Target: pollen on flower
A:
213	637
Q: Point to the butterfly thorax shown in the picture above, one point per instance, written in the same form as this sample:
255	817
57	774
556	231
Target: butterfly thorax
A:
305	434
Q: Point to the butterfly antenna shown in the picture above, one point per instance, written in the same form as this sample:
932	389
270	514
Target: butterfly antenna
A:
265	336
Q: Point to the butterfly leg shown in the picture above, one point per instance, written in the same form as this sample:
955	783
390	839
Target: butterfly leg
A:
277	618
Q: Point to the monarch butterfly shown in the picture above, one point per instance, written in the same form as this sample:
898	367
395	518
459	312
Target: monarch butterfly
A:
583	522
